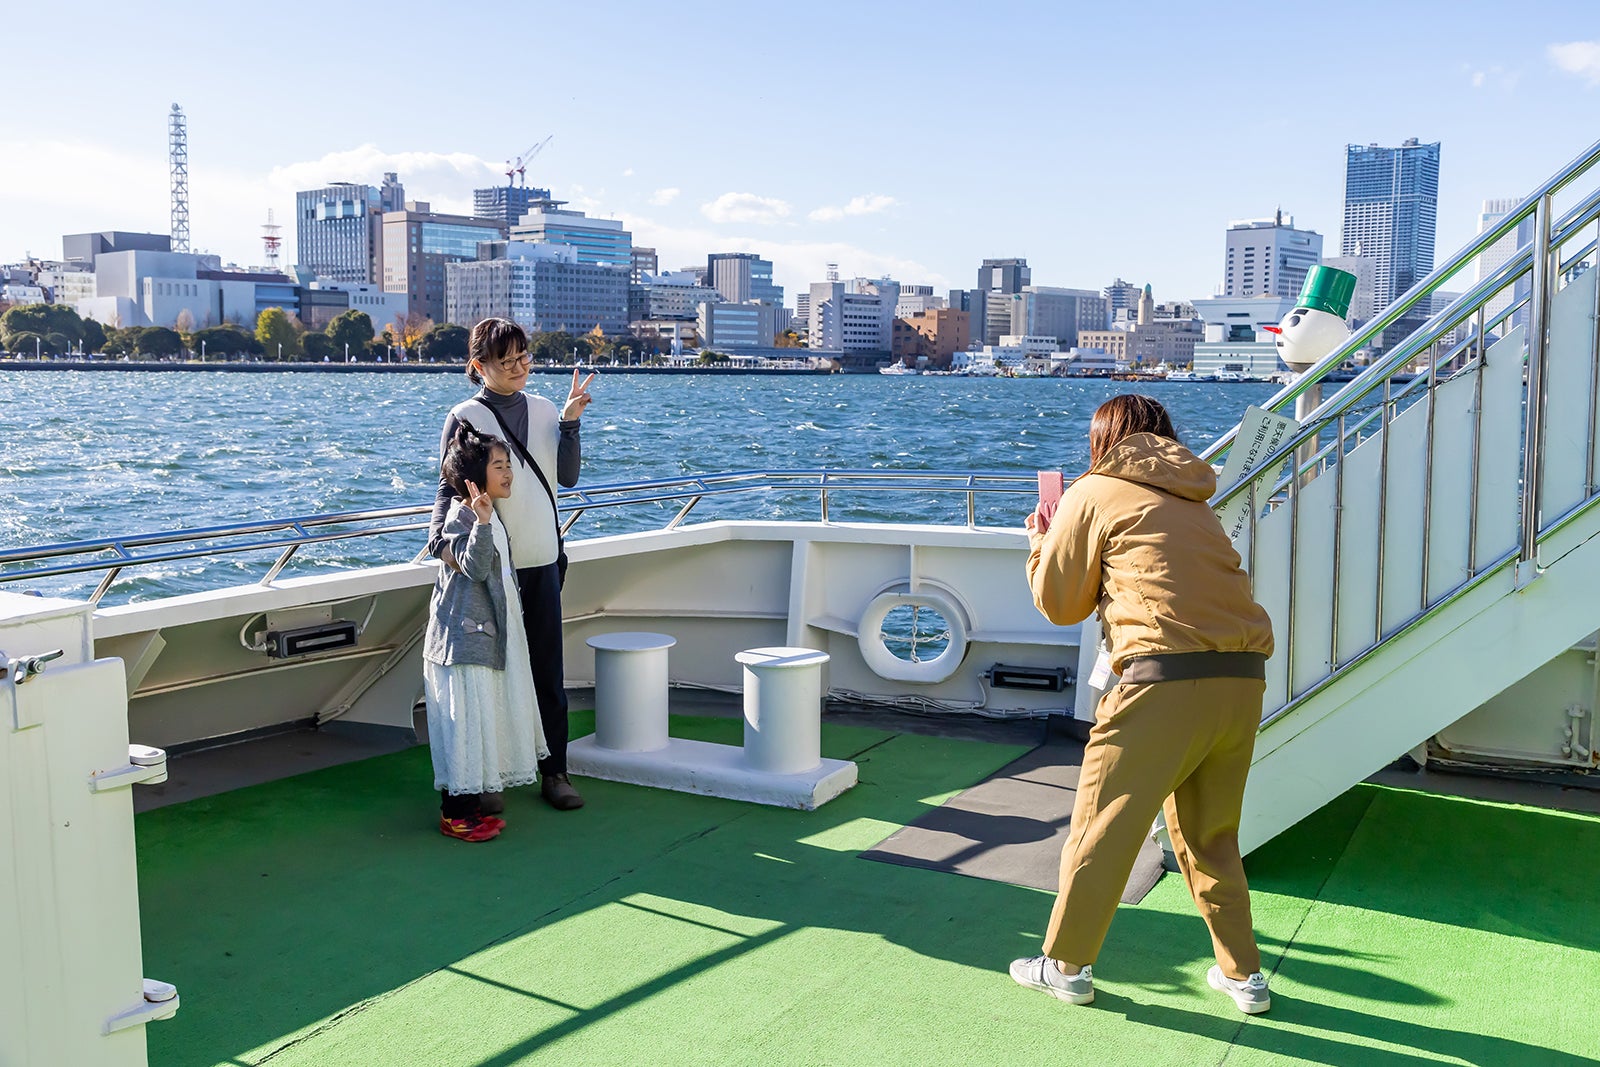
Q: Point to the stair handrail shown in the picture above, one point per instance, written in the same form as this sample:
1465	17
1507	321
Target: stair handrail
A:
1440	322
1424	288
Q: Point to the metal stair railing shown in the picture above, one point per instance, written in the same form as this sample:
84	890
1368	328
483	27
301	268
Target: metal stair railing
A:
1451	343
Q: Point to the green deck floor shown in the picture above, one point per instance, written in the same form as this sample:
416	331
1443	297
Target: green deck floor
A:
320	920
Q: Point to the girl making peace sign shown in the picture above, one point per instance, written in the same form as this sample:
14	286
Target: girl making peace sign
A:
483	728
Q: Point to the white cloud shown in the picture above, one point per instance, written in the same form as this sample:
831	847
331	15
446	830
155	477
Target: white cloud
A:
1577	57
745	207
1492	77
663	197
628	173
859	205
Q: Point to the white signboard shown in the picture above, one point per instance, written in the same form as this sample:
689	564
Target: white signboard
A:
1260	433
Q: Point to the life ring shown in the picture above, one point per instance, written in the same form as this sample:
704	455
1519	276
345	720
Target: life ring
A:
885	664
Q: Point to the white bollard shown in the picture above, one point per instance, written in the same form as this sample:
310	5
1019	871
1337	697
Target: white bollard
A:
630	691
782	709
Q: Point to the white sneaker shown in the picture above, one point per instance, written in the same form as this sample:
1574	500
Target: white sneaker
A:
1041	972
1251	994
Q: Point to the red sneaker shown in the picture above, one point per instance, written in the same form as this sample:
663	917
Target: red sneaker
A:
491	820
468	829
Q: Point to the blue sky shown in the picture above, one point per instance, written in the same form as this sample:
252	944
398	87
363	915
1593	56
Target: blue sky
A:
1098	141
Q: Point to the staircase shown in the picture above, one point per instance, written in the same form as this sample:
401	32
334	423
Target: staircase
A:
1436	539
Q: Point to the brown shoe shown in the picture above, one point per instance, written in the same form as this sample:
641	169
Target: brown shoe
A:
558	793
491	803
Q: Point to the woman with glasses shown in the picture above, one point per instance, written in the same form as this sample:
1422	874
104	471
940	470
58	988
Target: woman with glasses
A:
545	450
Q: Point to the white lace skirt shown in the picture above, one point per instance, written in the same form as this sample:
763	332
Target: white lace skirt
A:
483	724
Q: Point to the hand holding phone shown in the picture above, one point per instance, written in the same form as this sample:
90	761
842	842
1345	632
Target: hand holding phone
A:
1051	485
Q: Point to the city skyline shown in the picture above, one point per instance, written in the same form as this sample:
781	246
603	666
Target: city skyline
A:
1178	145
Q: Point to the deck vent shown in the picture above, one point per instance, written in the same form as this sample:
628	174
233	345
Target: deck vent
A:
326	637
1042	679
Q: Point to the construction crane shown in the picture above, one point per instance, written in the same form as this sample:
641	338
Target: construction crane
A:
520	167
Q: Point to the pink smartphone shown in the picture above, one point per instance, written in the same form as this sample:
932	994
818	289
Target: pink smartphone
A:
1051	485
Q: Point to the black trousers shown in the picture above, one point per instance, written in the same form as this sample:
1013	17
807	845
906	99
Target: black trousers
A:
540	588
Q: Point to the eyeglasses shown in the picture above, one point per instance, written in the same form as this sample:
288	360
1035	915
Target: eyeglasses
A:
513	362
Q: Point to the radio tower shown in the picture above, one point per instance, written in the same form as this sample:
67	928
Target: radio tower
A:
178	146
270	238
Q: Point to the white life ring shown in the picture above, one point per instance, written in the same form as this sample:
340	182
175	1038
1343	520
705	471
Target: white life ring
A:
885	664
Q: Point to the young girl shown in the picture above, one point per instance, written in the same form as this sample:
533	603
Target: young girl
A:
483	723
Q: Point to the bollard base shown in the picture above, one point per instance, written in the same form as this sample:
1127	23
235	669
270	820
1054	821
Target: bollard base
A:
711	770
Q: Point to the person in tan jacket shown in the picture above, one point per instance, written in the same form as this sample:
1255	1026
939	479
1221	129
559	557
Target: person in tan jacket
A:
1135	539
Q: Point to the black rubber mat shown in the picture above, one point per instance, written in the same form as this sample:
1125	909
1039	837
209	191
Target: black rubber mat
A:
1010	827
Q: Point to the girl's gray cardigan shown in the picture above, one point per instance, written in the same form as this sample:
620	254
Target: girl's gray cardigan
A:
467	612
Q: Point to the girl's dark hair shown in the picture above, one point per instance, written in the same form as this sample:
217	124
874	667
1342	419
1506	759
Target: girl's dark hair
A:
467	458
492	341
1123	416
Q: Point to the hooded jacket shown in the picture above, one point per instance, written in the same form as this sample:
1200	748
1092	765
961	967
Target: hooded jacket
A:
1136	538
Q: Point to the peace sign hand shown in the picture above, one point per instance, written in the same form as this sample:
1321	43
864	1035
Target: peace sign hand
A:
480	503
578	397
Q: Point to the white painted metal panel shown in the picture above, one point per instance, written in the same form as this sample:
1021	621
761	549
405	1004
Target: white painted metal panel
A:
1313	582
1358	548
1404	489
1500	459
1449	534
1569	374
1270	578
70	872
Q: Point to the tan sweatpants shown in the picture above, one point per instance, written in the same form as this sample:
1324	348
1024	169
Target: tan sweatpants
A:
1182	747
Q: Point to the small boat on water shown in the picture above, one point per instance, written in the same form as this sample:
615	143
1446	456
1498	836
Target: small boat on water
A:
897	368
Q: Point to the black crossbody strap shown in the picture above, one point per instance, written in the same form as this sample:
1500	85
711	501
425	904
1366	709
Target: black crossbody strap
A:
522	452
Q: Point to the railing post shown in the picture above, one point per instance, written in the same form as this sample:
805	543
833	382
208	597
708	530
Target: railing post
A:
1533	436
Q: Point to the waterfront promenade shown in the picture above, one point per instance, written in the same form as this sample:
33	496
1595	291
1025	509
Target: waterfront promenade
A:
254	367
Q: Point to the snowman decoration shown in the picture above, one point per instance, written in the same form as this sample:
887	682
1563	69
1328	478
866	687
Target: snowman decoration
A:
1316	326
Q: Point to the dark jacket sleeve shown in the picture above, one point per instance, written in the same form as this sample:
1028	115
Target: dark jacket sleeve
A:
445	493
569	454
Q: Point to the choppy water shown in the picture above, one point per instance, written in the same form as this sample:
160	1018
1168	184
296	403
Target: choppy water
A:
104	454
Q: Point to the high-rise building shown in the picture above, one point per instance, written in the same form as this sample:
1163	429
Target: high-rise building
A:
507	203
601	241
1269	257
674	295
541	287
338	228
1122	299
802	311
644	262
991	317
1491	258
853	316
418	243
743	276
1046	311
1391	210
753	324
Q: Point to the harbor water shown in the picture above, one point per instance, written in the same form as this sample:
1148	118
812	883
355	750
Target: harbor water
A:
110	454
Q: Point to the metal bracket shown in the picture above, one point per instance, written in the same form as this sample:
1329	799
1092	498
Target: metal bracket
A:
160	1002
1527	570
145	766
22	668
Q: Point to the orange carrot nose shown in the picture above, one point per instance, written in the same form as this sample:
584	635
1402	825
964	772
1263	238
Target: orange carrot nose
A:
1273	329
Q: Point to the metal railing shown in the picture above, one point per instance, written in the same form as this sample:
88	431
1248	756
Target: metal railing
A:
1451	342
111	557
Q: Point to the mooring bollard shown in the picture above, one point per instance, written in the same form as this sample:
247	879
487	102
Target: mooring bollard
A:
630	690
782	709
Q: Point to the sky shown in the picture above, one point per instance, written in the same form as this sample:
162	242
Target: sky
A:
1098	141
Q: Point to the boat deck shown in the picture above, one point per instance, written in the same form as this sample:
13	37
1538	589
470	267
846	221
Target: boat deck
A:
319	919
